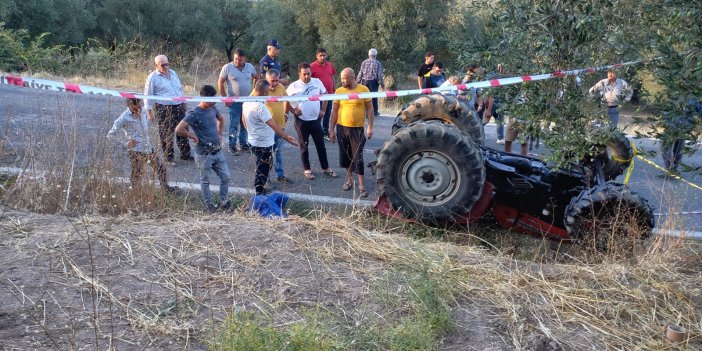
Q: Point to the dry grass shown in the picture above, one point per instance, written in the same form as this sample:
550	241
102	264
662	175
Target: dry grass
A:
181	275
126	268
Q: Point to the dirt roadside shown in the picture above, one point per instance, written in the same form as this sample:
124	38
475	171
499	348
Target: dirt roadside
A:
133	283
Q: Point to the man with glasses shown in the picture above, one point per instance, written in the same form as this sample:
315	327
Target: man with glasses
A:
164	82
238	76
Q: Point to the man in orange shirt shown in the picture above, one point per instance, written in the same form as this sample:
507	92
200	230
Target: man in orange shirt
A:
347	121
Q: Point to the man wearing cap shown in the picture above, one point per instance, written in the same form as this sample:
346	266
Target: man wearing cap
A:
270	60
238	76
614	91
371	75
324	71
165	82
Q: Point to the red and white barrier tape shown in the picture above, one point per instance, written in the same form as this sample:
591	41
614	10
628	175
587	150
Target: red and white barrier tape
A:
84	89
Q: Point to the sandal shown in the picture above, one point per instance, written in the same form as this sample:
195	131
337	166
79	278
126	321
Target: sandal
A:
330	172
347	187
309	175
362	193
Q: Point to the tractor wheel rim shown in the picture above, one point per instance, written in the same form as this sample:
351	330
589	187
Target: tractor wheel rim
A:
430	178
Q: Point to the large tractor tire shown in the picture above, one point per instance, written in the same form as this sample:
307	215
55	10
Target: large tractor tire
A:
431	171
446	108
609	218
618	154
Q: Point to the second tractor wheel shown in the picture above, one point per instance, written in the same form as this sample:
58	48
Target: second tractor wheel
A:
445	108
609	218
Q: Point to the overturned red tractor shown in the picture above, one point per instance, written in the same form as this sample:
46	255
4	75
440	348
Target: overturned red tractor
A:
435	169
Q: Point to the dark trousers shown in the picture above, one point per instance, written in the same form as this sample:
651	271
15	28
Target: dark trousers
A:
672	154
351	143
138	159
168	117
327	115
373	85
305	129
264	157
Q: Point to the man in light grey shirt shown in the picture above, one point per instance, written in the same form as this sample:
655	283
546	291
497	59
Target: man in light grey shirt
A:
135	125
164	82
613	91
237	76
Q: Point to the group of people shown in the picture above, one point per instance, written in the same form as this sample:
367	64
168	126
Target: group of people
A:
256	127
259	127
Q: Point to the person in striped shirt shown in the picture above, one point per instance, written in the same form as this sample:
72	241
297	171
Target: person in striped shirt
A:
371	75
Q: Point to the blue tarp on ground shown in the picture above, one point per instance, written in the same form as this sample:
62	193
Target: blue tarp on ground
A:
270	205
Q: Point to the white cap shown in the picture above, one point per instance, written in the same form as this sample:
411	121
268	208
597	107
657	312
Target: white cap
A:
373	52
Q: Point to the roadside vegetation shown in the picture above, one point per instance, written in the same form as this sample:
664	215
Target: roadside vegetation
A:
90	262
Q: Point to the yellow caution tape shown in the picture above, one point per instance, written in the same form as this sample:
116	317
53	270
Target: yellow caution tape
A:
630	169
672	175
634	152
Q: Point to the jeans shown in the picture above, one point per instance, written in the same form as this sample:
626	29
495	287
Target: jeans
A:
236	127
278	156
373	85
327	115
500	125
305	129
613	114
263	167
672	154
218	164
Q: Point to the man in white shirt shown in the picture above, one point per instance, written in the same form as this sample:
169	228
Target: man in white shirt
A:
261	132
164	81
613	91
237	76
307	115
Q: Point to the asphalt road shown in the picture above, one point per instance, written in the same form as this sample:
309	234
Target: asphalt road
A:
62	123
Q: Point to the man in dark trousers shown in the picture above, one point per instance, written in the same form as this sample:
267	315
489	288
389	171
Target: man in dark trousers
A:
165	82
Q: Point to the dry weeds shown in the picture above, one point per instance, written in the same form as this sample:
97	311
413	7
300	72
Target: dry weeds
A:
134	281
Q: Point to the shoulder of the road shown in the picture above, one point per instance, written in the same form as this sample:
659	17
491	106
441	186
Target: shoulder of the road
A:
312	199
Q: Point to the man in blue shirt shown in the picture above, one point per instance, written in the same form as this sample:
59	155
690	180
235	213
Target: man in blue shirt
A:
208	125
270	60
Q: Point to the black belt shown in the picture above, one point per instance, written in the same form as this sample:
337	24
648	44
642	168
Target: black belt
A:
613	106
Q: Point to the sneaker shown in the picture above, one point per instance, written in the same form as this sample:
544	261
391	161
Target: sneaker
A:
501	141
284	179
234	151
326	136
210	208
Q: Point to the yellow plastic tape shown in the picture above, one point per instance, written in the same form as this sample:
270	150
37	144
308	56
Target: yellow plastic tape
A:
630	169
